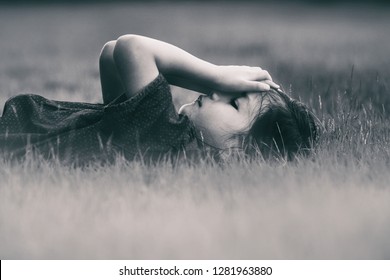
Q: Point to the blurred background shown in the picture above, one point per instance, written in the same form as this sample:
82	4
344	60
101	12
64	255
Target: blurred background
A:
315	49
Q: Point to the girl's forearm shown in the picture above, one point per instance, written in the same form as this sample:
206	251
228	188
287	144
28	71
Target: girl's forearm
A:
186	70
179	67
139	59
183	69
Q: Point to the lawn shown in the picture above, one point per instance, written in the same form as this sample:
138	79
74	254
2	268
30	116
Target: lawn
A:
333	205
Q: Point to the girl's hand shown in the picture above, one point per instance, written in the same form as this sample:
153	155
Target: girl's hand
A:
233	78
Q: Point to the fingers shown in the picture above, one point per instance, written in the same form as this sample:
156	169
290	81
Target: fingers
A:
258	86
272	84
264	76
262	86
259	74
246	78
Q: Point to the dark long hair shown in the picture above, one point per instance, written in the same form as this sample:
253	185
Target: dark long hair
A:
281	130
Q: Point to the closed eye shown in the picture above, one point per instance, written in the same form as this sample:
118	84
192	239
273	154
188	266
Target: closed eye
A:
233	102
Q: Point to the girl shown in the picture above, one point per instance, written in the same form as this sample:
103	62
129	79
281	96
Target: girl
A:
239	108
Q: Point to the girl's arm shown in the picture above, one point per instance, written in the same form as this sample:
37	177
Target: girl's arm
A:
140	59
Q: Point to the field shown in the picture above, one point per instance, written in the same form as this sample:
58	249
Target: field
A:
333	205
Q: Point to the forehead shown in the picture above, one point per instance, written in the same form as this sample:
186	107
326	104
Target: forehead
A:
252	102
265	98
258	103
255	101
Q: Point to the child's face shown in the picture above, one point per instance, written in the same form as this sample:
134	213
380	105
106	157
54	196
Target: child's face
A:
218	117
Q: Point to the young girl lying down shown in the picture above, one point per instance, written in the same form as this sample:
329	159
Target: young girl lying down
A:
239	109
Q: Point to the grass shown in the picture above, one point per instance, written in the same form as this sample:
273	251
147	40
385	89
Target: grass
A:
333	205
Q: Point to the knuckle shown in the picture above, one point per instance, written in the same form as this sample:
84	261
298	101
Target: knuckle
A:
264	86
268	75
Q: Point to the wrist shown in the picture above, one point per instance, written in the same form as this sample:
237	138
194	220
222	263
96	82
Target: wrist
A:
215	77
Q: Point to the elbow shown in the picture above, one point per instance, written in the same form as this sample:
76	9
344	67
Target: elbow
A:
129	46
129	39
133	54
